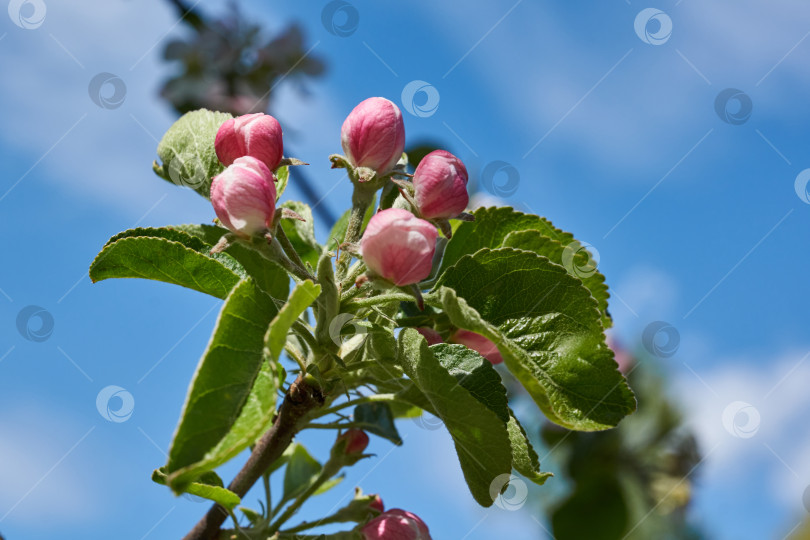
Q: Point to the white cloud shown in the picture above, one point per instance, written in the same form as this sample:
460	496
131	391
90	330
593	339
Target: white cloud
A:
777	389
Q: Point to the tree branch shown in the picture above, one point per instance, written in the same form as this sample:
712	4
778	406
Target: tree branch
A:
300	399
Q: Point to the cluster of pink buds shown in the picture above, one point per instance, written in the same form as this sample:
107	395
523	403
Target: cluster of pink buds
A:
399	244
244	194
396	524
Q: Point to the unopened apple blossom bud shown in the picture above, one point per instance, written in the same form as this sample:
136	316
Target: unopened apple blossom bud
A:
257	135
396	524
244	196
478	343
377	504
373	135
398	246
356	441
431	335
440	185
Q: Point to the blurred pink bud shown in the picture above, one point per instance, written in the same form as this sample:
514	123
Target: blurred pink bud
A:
257	135
440	185
377	504
431	335
356	441
621	355
244	196
398	246
396	524
373	135
478	343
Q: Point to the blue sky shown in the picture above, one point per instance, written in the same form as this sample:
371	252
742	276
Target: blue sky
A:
697	222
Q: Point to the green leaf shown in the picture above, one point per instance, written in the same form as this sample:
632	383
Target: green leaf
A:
302	233
476	375
302	469
338	232
524	458
547	327
209	486
282	178
270	277
377	418
173	258
187	151
329	484
573	256
497	227
480	437
230	405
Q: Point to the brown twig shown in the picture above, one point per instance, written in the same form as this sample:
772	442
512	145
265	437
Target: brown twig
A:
301	399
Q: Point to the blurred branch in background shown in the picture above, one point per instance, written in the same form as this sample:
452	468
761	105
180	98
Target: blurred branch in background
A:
633	482
228	65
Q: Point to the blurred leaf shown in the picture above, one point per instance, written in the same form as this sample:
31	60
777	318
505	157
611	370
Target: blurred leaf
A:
378	419
546	326
480	437
595	511
187	151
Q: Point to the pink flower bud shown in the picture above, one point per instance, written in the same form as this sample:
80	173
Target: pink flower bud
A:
377	504
373	135
356	441
244	196
257	135
396	524
431	335
478	343
440	185
398	246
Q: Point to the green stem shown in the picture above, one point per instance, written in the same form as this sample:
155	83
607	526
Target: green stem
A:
361	199
378	300
289	249
352	402
273	251
326	473
354	272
